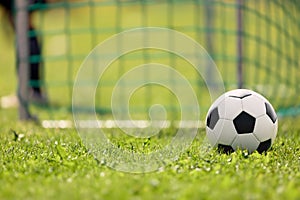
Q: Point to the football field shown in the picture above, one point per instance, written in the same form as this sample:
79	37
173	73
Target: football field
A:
37	162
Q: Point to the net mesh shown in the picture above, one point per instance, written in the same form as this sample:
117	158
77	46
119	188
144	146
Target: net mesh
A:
256	41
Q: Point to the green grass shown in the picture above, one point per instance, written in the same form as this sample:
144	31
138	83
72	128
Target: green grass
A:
54	164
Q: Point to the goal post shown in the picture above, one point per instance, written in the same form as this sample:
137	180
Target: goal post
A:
254	44
22	24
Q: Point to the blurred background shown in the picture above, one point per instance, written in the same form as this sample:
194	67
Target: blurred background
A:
255	45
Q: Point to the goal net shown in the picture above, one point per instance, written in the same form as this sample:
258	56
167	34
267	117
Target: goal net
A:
254	44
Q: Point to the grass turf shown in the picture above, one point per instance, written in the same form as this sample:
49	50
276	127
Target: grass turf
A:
54	164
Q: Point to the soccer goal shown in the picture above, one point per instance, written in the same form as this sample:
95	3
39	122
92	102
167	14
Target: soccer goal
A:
254	44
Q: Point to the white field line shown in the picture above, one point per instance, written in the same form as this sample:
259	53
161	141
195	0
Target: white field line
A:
121	124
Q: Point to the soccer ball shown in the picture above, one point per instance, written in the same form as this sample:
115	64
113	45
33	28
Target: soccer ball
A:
241	119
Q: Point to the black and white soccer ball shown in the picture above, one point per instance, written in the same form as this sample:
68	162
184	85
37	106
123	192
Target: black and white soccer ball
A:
241	119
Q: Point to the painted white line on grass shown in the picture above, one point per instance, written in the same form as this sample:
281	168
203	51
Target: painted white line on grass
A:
122	124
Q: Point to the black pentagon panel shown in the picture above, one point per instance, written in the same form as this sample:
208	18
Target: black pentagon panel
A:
270	112
222	148
241	96
264	146
244	123
212	118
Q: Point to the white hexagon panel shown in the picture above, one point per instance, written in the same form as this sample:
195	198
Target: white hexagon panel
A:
229	108
245	141
254	105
